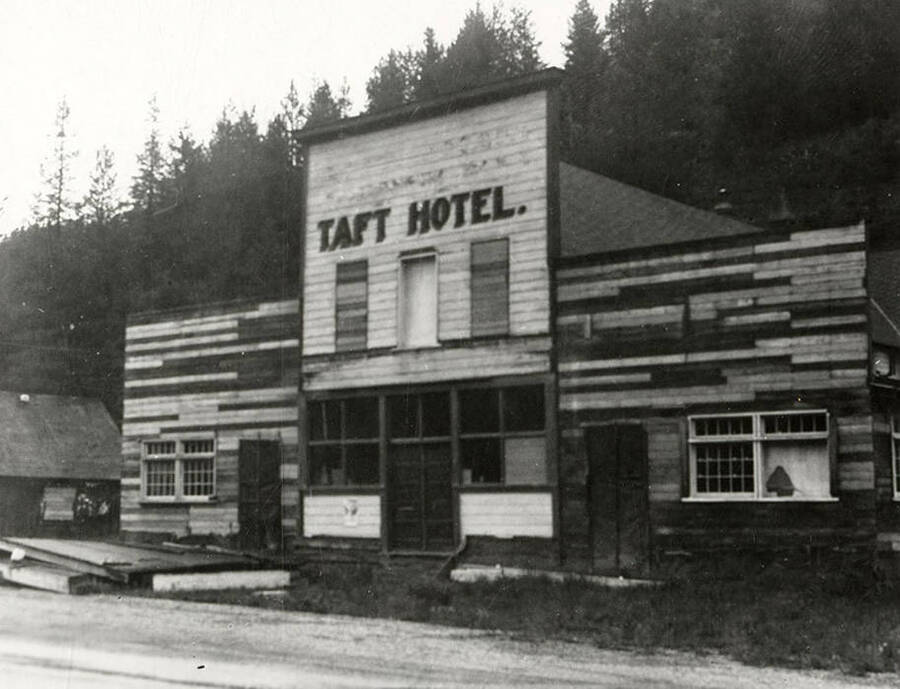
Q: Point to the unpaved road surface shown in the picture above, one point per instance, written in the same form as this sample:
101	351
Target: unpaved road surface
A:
50	641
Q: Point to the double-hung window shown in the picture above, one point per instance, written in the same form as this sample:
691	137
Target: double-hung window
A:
351	306
760	455
490	287
179	469
417	310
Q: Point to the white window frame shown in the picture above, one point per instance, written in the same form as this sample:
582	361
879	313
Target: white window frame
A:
179	457
758	438
401	300
895	456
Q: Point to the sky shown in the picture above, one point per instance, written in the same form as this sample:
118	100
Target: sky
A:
108	58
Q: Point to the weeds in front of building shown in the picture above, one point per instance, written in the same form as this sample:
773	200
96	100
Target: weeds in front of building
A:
842	615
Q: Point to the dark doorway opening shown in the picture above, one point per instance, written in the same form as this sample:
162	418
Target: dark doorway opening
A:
617	498
420	497
259	501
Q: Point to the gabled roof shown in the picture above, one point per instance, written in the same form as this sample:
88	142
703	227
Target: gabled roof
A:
51	436
600	215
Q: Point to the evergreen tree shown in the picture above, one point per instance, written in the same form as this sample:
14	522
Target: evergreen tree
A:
53	205
582	92
323	106
100	205
393	81
147	191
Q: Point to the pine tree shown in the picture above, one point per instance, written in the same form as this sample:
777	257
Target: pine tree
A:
100	205
586	61
393	81
323	106
148	189
54	206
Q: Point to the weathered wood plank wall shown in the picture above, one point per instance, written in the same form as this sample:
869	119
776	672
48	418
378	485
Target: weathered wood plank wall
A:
499	144
752	324
231	370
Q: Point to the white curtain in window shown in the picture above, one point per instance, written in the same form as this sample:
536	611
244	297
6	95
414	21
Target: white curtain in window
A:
418	310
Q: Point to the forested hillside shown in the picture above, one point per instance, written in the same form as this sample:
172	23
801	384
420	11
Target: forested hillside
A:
785	111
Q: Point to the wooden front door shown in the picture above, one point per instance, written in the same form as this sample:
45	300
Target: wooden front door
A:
617	498
420	498
259	494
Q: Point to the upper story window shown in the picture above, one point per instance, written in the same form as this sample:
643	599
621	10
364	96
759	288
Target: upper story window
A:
490	287
351	306
417	310
760	455
178	469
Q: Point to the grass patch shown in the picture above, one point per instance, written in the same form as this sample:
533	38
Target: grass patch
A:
773	616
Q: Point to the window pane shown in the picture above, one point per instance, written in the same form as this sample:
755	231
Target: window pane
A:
418	310
362	417
325	466
160	447
403	416
490	288
198	476
523	408
436	414
362	465
725	468
351	307
481	460
796	469
198	447
782	424
160	478
325	420
525	460
479	411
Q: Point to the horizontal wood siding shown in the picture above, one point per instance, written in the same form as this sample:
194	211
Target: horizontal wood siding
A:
506	515
522	356
764	326
230	371
327	515
500	144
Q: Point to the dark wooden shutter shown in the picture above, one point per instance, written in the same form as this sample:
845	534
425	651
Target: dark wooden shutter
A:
351	312
490	287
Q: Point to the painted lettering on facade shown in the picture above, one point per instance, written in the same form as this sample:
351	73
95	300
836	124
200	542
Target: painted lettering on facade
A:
465	208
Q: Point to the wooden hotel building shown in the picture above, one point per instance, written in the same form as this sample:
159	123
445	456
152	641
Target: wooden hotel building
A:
500	353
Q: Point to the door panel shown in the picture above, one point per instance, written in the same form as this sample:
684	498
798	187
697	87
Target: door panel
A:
259	494
420	499
405	497
617	497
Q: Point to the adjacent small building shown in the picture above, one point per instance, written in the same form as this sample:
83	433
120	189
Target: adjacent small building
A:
60	465
498	351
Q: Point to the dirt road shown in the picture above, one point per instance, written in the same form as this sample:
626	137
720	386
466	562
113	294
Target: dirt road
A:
47	640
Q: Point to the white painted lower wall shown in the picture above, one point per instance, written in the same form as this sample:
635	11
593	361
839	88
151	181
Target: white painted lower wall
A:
506	514
349	516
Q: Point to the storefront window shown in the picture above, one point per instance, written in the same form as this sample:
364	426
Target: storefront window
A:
343	448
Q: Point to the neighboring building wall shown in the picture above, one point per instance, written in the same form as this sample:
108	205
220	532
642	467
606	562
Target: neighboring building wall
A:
58	508
483	174
763	324
223	373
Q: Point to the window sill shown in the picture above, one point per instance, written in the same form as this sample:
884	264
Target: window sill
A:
417	348
179	501
754	499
